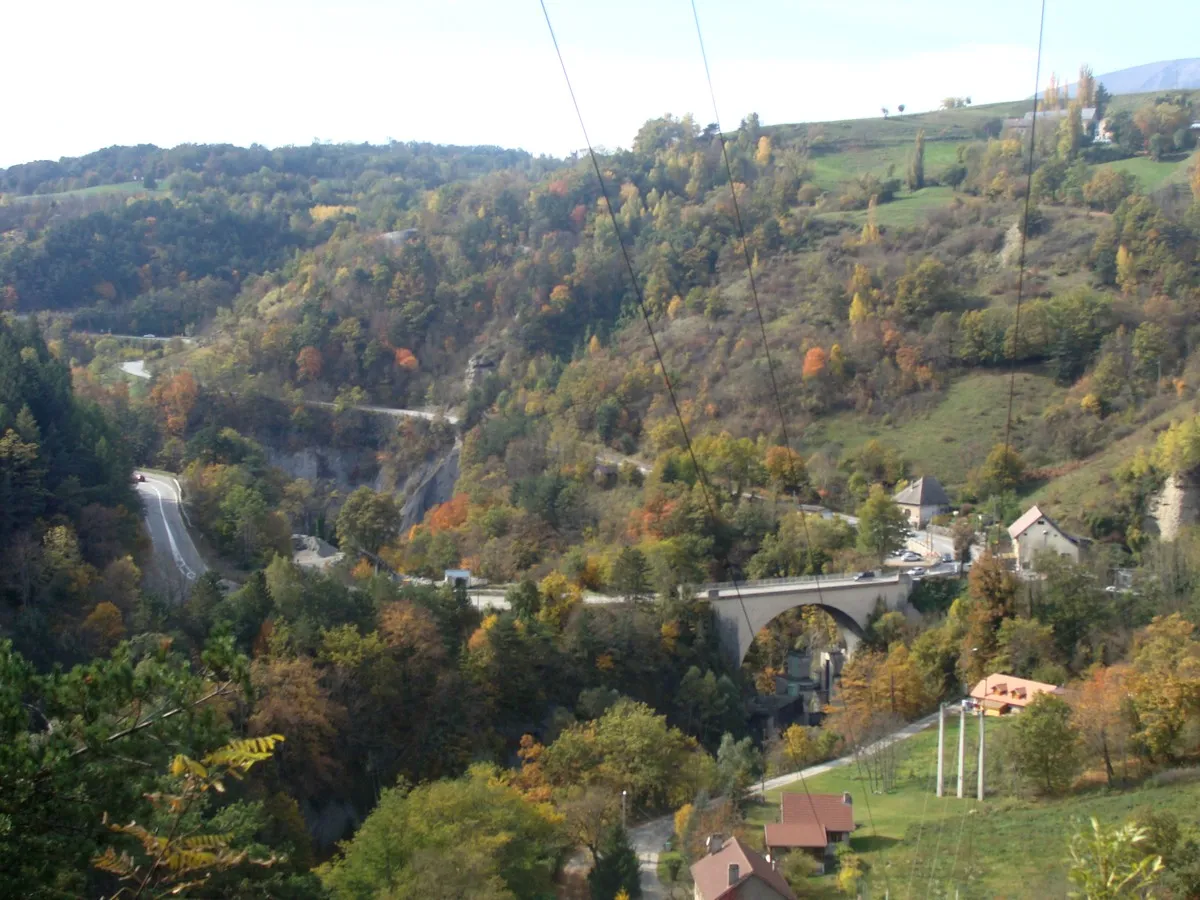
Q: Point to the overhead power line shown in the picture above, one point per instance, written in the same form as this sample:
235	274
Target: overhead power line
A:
792	454
641	301
1012	374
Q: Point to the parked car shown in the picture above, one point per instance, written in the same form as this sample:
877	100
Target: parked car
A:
864	576
947	557
910	556
916	571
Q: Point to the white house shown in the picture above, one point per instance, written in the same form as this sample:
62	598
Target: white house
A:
922	500
1035	532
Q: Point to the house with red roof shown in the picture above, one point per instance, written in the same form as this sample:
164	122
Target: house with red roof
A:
813	823
735	872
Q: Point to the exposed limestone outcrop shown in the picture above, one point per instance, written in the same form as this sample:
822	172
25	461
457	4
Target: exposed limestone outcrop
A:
1177	505
429	486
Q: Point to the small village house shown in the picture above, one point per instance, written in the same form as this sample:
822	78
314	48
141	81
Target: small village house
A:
1087	119
810	823
922	500
1001	695
733	871
1035	533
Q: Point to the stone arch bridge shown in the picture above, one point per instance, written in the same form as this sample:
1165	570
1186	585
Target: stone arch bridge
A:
848	601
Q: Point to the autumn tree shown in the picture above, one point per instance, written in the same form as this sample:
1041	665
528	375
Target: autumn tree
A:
924	289
628	748
288	694
1127	276
992	591
882	526
858	312
1165	683
175	397
762	155
560	598
309	364
1003	470
588	812
180	854
1085	88
870	229
797	748
1103	713
815	361
786	470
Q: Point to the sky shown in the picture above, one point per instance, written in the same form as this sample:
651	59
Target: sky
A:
484	71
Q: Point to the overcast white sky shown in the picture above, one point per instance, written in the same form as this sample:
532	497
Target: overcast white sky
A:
88	75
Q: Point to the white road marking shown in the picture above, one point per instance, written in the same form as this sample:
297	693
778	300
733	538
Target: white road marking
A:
180	563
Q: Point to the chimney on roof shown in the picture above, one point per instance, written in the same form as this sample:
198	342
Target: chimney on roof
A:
734	874
713	843
847	799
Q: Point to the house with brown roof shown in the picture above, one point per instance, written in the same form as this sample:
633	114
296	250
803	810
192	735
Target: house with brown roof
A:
922	500
1035	533
735	872
812	823
1000	695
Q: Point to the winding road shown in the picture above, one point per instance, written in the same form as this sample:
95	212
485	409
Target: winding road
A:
177	562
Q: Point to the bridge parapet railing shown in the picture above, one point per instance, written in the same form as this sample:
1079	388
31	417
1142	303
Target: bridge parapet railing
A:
771	582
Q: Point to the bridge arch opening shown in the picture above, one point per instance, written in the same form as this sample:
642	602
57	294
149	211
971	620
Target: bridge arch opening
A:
793	663
742	611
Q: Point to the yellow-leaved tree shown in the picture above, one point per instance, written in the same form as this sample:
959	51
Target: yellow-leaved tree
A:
178	855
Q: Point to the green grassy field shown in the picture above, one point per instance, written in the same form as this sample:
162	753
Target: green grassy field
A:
1151	175
1084	489
939	125
130	188
905	211
830	170
920	846
956	434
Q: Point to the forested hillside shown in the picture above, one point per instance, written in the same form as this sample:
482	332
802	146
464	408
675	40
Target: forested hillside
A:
328	330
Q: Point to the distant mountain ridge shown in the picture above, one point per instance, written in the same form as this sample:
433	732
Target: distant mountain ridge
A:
1165	75
1170	75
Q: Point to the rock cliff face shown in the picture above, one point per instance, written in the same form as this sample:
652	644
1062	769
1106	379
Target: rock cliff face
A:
1177	505
428	486
347	470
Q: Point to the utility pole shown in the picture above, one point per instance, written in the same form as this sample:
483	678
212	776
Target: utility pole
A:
981	718
625	794
962	747
941	745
